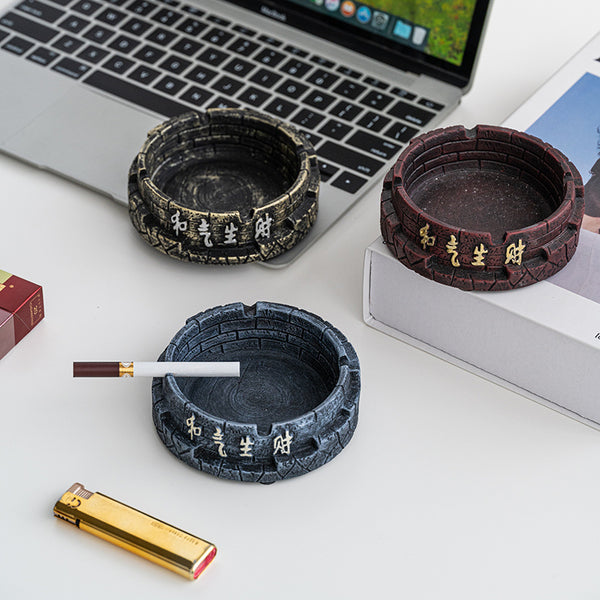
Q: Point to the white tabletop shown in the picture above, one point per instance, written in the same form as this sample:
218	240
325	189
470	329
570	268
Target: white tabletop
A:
452	486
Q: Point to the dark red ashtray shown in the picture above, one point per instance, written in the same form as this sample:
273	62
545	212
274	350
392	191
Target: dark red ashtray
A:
487	208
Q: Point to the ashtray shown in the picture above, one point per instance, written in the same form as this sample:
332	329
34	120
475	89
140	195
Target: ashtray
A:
293	408
487	208
226	186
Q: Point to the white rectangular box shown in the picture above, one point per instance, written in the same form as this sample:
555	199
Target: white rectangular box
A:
542	341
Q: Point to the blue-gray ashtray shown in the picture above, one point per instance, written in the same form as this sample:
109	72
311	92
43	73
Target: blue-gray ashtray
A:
294	407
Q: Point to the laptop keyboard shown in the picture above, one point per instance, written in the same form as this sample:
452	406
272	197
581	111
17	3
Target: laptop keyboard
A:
170	57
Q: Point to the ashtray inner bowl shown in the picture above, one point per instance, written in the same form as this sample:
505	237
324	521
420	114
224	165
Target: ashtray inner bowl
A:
225	168
286	371
496	191
272	387
455	198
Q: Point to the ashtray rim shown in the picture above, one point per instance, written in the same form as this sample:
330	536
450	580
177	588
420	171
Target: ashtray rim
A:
222	116
555	218
252	233
472	258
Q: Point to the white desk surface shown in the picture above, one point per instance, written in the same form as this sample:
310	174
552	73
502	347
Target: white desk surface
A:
452	487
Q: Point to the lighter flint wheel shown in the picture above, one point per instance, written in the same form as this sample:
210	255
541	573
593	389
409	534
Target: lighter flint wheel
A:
293	409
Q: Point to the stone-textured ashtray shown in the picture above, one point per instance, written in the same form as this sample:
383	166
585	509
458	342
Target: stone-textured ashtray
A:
227	186
483	209
294	407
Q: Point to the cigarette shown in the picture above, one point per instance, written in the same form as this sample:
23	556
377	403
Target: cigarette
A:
156	369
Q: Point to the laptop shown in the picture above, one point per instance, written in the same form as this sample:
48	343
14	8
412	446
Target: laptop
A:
85	80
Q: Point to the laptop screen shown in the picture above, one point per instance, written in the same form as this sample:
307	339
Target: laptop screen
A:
439	38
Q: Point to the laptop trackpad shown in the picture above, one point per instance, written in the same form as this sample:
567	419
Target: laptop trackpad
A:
87	137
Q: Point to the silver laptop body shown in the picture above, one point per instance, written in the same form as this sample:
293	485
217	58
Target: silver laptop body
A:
64	109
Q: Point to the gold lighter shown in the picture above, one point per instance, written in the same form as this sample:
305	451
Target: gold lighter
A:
135	531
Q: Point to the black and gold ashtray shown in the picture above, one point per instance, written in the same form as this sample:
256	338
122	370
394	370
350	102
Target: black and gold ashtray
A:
293	408
488	208
226	186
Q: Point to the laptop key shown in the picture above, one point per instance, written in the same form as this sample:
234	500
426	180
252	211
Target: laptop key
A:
227	85
149	54
349	72
373	145
43	56
281	108
175	64
244	30
430	104
160	36
374	121
136	26
318	99
324	62
74	24
18	45
327	170
296	51
218	20
191	26
166	16
349	158
99	34
212	56
349	89
265	78
239	67
61	2
3	35
267	39
346	110
93	54
254	96
201	75
411	113
118	64
144	74
196	96
186	46
142	7
308	118
349	182
313	138
403	93
221	102
40	10
124	44
296	68
111	16
401	132
67	44
170	85
376	83
87	7
218	37
71	68
335	129
24	26
243	46
376	100
323	79
135	94
291	88
193	10
269	57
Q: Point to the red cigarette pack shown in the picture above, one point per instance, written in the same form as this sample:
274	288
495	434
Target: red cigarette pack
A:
21	309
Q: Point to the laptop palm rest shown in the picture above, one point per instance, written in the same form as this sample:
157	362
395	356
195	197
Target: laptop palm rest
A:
85	137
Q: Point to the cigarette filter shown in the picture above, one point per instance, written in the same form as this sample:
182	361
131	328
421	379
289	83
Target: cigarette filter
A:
135	531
